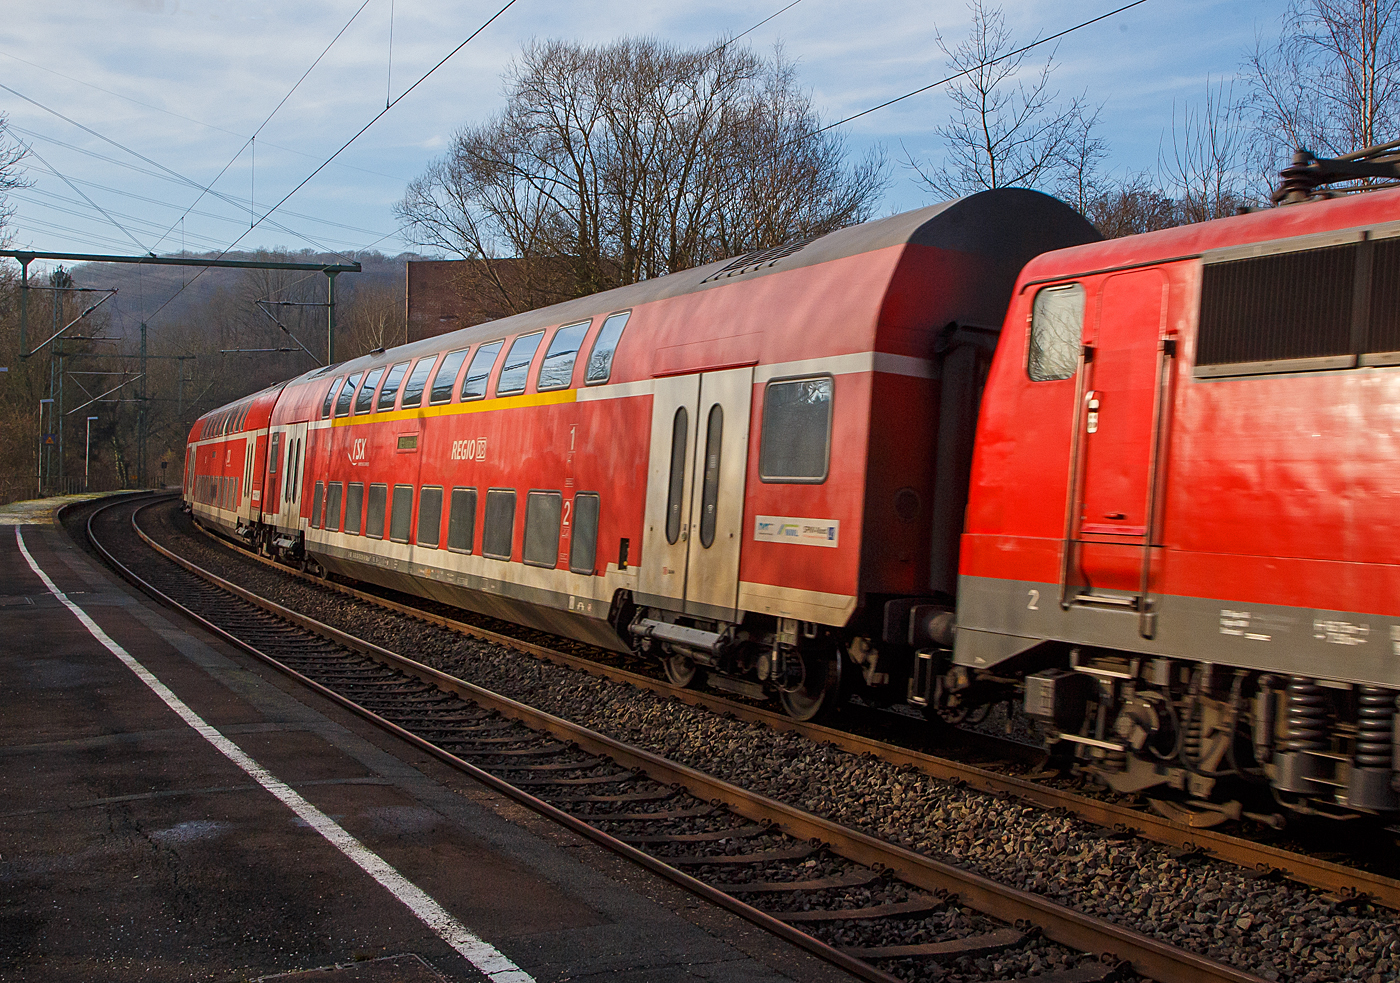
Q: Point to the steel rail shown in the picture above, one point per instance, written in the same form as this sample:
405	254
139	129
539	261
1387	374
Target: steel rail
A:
1061	924
1335	878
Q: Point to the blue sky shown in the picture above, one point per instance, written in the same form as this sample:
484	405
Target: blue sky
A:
184	83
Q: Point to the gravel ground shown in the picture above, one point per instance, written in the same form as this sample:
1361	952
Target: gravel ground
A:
1277	930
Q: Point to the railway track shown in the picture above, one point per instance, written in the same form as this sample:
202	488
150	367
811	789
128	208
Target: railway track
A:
874	908
1343	881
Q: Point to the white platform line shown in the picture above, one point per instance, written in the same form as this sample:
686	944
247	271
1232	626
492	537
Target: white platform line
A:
480	954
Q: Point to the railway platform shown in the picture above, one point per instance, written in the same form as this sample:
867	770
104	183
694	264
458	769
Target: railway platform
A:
175	810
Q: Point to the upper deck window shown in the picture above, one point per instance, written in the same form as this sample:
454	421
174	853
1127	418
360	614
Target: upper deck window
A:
516	370
796	442
390	391
557	372
342	403
446	375
604	347
1057	332
417	382
366	397
474	385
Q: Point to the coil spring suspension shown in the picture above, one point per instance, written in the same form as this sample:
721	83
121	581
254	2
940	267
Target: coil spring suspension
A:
1307	716
1375	723
1191	740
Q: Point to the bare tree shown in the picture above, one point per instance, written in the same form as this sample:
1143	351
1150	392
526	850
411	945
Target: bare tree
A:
1008	127
1209	169
1133	206
1331	83
12	177
611	164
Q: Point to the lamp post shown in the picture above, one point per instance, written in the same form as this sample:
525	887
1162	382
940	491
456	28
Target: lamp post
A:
40	493
87	454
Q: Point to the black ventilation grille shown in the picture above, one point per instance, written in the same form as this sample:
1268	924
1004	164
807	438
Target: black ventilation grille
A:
1383	334
1285	306
753	261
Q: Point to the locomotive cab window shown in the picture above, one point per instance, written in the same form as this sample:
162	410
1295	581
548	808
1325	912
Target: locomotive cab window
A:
366	397
544	511
429	516
604	347
557	371
498	535
795	445
583	537
1057	333
516	370
461	521
417	382
445	376
474	385
342	402
390	391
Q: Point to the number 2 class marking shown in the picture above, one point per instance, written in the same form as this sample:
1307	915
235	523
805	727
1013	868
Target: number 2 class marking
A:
1034	603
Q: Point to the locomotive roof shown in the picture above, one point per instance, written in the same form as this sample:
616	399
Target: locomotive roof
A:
1187	241
973	224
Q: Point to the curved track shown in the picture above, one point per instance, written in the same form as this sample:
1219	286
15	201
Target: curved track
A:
751	854
1344	881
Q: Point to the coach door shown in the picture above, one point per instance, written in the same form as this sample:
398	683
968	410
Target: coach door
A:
695	493
1125	374
291	471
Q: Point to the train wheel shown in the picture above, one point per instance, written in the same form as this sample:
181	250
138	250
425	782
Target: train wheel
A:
682	671
819	694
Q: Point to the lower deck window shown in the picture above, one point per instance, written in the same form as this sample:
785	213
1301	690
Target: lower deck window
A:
374	512
583	541
429	516
543	512
498	535
796	441
461	523
317	500
354	507
401	517
332	522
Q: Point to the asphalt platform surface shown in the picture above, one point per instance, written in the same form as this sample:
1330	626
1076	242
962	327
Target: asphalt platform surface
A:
133	848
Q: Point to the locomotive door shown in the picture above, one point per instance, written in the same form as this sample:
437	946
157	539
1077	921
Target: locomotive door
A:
717	501
670	481
1112	519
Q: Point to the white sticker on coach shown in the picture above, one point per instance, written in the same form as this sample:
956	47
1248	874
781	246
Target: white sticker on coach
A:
803	532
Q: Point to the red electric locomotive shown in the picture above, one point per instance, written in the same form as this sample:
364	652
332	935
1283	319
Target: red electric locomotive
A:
1174	542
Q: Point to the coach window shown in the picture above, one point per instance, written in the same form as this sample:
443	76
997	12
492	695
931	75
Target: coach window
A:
332	520
330	397
417	382
796	443
390	390
342	402
543	512
445	377
517	365
474	385
354	507
557	371
429	516
583	538
709	496
461	522
498	535
365	400
317	500
604	346
1057	333
275	454
374	511
401	517
680	430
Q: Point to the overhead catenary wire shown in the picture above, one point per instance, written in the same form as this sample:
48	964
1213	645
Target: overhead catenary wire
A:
358	133
968	71
29	149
